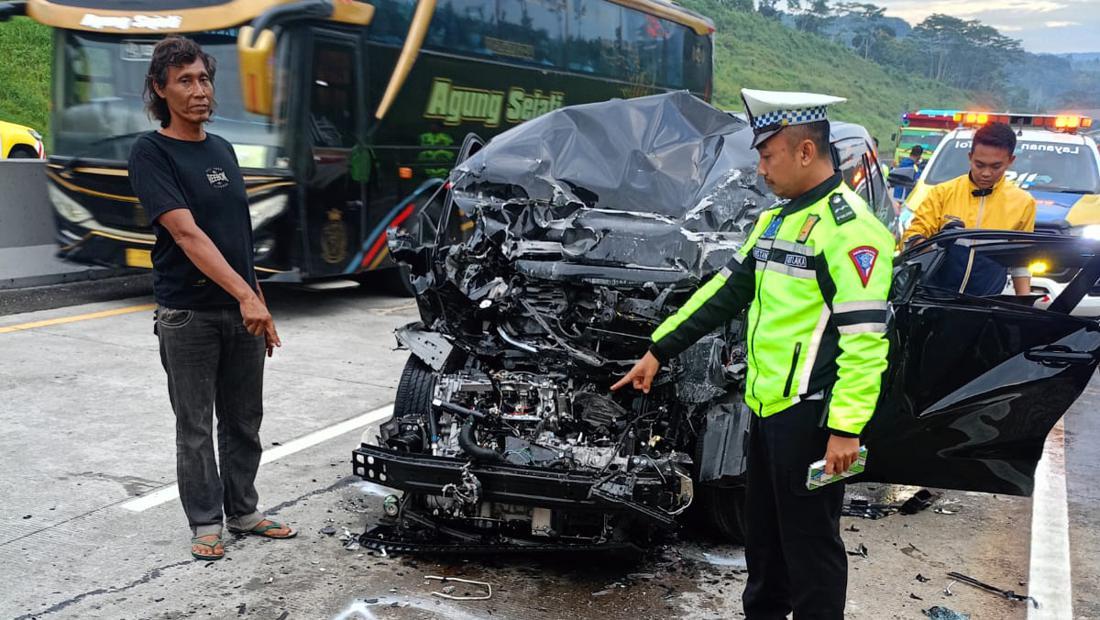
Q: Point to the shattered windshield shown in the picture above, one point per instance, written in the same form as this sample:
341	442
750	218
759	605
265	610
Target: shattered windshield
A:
660	183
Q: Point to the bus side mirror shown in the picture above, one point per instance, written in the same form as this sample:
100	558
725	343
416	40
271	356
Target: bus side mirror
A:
418	29
257	62
256	43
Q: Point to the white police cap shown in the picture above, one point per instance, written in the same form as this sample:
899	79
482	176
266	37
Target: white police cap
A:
769	111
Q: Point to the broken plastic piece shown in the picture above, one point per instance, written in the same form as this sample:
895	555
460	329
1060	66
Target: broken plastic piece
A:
1006	594
861	550
920	501
945	613
477	597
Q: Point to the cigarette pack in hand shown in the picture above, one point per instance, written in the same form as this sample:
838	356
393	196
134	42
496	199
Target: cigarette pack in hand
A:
817	478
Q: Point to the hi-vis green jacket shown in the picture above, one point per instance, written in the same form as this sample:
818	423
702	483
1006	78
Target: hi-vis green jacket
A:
817	272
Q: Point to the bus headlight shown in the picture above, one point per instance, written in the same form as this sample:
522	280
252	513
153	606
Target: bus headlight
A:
66	207
1092	231
264	210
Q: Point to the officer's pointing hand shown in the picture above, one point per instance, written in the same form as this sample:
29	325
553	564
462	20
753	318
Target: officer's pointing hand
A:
641	375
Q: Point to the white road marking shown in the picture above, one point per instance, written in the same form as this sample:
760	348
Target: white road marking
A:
172	492
1049	580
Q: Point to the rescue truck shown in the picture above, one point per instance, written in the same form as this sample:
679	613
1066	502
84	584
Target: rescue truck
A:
924	128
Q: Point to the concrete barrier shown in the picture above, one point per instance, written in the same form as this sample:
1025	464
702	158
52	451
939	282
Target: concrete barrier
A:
26	217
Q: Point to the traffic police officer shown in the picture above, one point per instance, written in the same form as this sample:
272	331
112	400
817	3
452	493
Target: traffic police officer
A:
815	274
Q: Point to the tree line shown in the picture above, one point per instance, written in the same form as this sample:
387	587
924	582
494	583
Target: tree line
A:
963	53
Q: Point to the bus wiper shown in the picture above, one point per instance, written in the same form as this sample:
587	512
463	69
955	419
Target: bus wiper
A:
82	156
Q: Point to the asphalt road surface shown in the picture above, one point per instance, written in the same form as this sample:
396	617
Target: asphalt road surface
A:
90	526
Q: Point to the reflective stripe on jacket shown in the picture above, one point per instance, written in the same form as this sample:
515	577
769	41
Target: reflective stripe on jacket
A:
815	273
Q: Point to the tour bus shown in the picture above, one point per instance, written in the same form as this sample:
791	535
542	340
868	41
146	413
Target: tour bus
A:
346	116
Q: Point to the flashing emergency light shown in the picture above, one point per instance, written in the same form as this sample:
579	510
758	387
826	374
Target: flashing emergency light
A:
1068	123
929	119
1038	267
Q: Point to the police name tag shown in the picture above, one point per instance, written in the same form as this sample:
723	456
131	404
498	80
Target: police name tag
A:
817	478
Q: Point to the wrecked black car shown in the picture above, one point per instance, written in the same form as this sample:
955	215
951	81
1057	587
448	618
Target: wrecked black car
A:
565	242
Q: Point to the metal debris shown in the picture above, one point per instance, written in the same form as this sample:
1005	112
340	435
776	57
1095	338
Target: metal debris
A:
863	509
921	578
921	500
328	530
945	613
861	551
476	597
1005	594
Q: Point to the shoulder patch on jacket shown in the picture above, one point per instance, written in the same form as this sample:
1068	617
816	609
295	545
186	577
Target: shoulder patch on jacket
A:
842	211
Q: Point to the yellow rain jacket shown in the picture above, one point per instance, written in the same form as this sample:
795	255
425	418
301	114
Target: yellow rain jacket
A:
1005	207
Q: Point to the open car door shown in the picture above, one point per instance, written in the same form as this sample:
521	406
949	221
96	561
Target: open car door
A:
976	383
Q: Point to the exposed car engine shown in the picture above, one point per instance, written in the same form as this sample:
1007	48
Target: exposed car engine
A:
505	431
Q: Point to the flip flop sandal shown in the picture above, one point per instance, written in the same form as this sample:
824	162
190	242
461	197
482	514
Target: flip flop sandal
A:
212	546
266	529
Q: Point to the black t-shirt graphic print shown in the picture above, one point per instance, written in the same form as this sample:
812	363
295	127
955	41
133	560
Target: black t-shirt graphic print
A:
203	177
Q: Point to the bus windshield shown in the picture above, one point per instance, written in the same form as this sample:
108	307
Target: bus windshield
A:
98	107
1040	166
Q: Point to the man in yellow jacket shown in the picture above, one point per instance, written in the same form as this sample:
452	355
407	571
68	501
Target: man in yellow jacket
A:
979	199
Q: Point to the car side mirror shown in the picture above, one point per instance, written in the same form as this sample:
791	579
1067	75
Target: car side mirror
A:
903	177
893	137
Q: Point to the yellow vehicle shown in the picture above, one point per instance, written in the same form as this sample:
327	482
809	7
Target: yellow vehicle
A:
924	128
1055	163
20	141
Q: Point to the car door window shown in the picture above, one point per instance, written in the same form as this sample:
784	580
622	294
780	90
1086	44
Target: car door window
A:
850	153
975	383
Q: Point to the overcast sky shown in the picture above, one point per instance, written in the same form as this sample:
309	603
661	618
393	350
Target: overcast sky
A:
1053	26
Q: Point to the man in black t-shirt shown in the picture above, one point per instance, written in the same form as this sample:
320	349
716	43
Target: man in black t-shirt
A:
212	320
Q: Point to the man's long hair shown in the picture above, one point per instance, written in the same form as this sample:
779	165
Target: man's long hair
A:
172	52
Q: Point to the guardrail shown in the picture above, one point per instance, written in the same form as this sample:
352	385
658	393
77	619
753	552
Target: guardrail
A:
26	217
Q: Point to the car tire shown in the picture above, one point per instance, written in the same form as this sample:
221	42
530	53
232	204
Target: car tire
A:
722	510
22	152
415	390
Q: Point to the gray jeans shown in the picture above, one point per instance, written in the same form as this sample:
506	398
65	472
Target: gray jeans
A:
213	363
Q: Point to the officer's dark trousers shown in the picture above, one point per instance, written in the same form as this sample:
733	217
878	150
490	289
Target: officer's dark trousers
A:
796	558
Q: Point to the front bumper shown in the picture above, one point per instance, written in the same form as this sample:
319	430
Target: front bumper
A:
510	484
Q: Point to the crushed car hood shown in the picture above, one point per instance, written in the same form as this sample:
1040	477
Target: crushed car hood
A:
659	188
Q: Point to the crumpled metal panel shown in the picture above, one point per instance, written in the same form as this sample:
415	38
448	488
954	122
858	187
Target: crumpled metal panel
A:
665	183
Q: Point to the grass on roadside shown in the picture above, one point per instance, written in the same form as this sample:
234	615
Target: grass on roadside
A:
25	50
